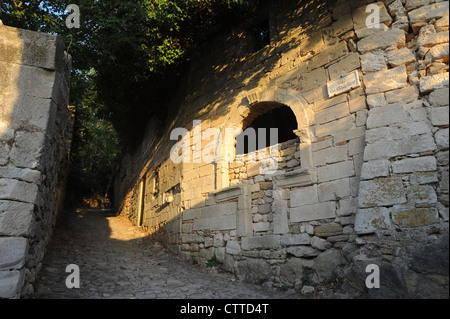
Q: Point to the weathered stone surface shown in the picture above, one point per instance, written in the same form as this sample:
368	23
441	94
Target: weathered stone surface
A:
381	192
15	218
428	12
11	283
327	230
346	65
373	61
439	116
390	148
15	190
377	168
442	138
292	270
417	164
410	216
297	239
313	212
398	57
216	223
327	263
261	242
385	80
254	271
13	252
421	194
371	219
386	115
302	251
360	15
336	171
331	191
433	82
391	39
27	149
233	247
439	97
304	196
320	244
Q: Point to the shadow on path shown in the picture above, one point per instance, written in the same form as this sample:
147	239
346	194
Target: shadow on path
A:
118	260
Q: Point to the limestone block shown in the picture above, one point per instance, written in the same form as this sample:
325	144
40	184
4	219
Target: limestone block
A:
406	95
331	191
377	168
332	113
13	252
428	12
313	79
432	39
327	263
423	178
302	251
31	48
383	149
371	219
442	24
216	223
413	4
409	216
313	212
4	153
233	247
373	61
421	194
295	239
261	242
15	218
330	155
381	192
27	149
336	171
389	40
11	189
328	55
439	116
417	164
191	239
398	57
323	104
327	230
360	16
280	219
441	138
11	283
357	104
341	26
346	65
320	243
387	80
438	53
433	82
261	226
23	174
386	115
375	100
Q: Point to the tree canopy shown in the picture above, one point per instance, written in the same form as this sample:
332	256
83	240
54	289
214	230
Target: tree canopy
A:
125	54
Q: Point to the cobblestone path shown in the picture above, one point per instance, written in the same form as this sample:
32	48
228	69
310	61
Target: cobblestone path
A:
116	260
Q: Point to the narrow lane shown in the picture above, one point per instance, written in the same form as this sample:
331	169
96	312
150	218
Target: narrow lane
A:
118	260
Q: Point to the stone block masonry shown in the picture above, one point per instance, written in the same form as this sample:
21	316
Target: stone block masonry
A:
364	182
35	135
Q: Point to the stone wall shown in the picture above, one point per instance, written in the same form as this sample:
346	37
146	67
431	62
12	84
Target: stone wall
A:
35	134
365	182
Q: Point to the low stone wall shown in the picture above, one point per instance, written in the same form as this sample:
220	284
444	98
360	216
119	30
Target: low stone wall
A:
366	181
35	135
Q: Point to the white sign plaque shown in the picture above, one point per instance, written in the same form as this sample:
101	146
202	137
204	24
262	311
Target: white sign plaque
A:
344	84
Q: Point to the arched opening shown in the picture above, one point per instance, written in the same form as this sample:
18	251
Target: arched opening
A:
259	126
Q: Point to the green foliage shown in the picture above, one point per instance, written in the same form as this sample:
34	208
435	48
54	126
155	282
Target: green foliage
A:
127	55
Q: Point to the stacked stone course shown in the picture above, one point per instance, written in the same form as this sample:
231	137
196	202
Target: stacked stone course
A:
365	183
35	134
